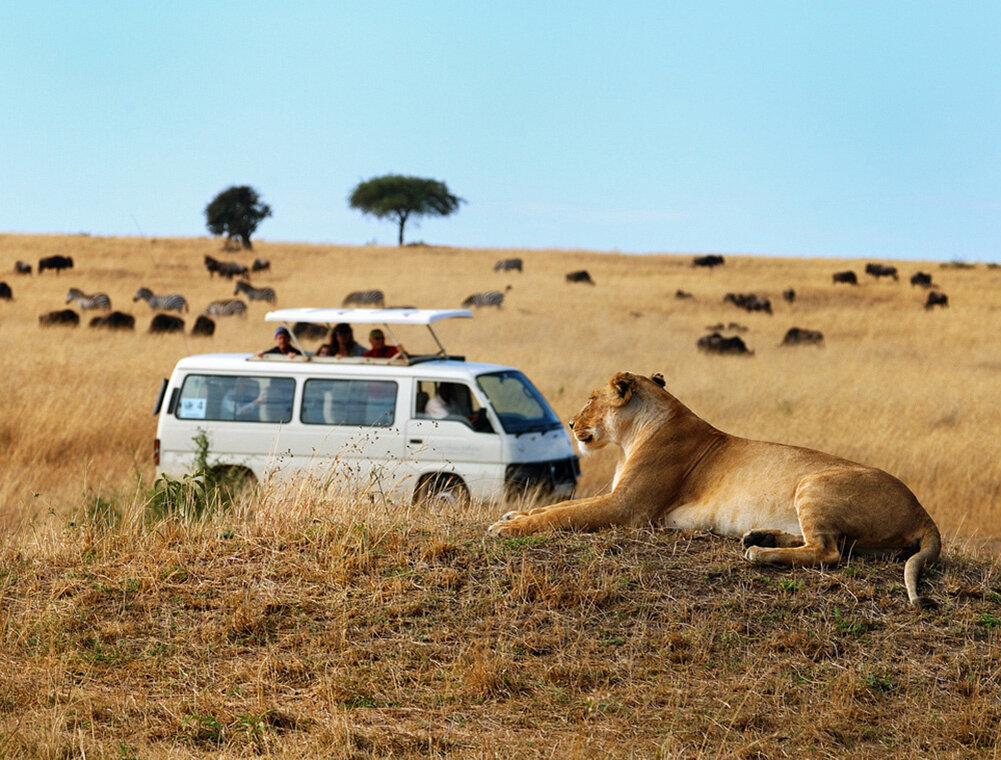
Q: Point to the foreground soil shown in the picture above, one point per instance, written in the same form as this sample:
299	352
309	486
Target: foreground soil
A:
353	640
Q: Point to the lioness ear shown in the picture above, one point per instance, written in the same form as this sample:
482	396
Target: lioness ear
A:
658	379
622	384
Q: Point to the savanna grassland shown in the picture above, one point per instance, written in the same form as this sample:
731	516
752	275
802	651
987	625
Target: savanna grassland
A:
298	623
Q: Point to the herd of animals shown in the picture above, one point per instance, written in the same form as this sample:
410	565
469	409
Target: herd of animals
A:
163	322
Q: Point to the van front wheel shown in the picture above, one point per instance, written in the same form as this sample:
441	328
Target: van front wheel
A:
446	490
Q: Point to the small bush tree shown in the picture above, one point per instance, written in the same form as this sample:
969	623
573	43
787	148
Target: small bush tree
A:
400	198
236	212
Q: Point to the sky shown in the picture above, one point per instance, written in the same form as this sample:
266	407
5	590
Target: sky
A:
813	129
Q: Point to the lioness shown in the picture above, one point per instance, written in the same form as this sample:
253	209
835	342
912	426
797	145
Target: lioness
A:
791	505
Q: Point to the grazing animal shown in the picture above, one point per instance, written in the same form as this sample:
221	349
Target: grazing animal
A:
227	269
921	278
5	291
260	265
173	302
581	275
61	317
881	270
204	326
936	299
95	301
58	263
22	267
682	294
116	320
227	308
254	294
712	260
490	298
848	277
719	327
789	295
507	265
166	323
309	331
364	298
796	336
749	302
790	505
717	344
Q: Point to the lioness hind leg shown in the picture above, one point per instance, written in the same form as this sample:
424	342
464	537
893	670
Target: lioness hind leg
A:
816	550
770	538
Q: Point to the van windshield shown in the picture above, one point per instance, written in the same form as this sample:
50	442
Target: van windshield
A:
519	406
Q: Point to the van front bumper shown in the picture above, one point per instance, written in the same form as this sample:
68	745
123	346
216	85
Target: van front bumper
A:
553	478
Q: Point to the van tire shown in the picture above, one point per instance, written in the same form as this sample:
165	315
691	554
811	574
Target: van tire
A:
443	489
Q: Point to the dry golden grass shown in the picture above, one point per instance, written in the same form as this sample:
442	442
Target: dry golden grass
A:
303	623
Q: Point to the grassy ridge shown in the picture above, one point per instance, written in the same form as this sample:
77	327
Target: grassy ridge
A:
356	636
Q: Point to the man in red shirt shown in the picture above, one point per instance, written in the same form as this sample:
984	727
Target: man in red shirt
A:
379	348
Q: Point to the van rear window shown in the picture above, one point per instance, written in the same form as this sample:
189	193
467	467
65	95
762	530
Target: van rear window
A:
236	398
349	402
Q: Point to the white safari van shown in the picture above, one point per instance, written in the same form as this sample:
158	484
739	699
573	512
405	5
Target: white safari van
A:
375	421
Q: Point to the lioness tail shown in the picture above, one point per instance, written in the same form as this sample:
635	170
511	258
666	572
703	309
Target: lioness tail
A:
931	545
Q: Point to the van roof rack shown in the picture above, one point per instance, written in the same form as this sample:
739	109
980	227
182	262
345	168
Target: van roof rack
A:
384	317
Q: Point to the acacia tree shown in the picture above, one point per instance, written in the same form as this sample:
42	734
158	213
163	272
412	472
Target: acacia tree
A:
236	212
400	198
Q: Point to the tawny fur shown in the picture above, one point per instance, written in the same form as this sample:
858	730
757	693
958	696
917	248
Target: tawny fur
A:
790	505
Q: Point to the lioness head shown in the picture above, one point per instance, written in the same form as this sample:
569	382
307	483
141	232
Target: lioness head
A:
602	421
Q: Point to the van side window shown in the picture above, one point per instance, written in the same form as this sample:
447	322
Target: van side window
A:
236	398
450	401
349	402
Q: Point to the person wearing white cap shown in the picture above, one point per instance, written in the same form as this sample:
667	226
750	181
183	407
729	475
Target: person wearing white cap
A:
283	339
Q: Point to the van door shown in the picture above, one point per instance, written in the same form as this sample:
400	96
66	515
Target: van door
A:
350	425
450	431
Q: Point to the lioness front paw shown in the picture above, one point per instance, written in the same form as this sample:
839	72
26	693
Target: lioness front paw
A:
753	552
509	526
757	538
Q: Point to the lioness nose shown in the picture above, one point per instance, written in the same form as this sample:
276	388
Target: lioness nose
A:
572	421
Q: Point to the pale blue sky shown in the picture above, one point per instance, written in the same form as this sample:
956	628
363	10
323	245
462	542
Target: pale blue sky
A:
856	129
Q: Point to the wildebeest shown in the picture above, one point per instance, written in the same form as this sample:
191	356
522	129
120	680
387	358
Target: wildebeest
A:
58	263
116	320
203	326
717	344
61	317
309	330
936	299
84	301
789	295
712	260
581	275
227	269
364	298
682	294
228	307
22	267
732	326
166	323
260	265
506	265
5	291
749	302
881	270
796	336
848	277
921	278
254	294
173	302
490	298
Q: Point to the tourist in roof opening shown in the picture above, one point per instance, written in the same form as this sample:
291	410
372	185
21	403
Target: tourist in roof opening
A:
343	343
380	350
283	340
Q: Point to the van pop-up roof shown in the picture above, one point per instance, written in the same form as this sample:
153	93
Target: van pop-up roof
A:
383	317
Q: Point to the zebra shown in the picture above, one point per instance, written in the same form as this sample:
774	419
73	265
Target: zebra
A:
490	298
227	308
506	265
365	298
172	302
254	294
96	301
